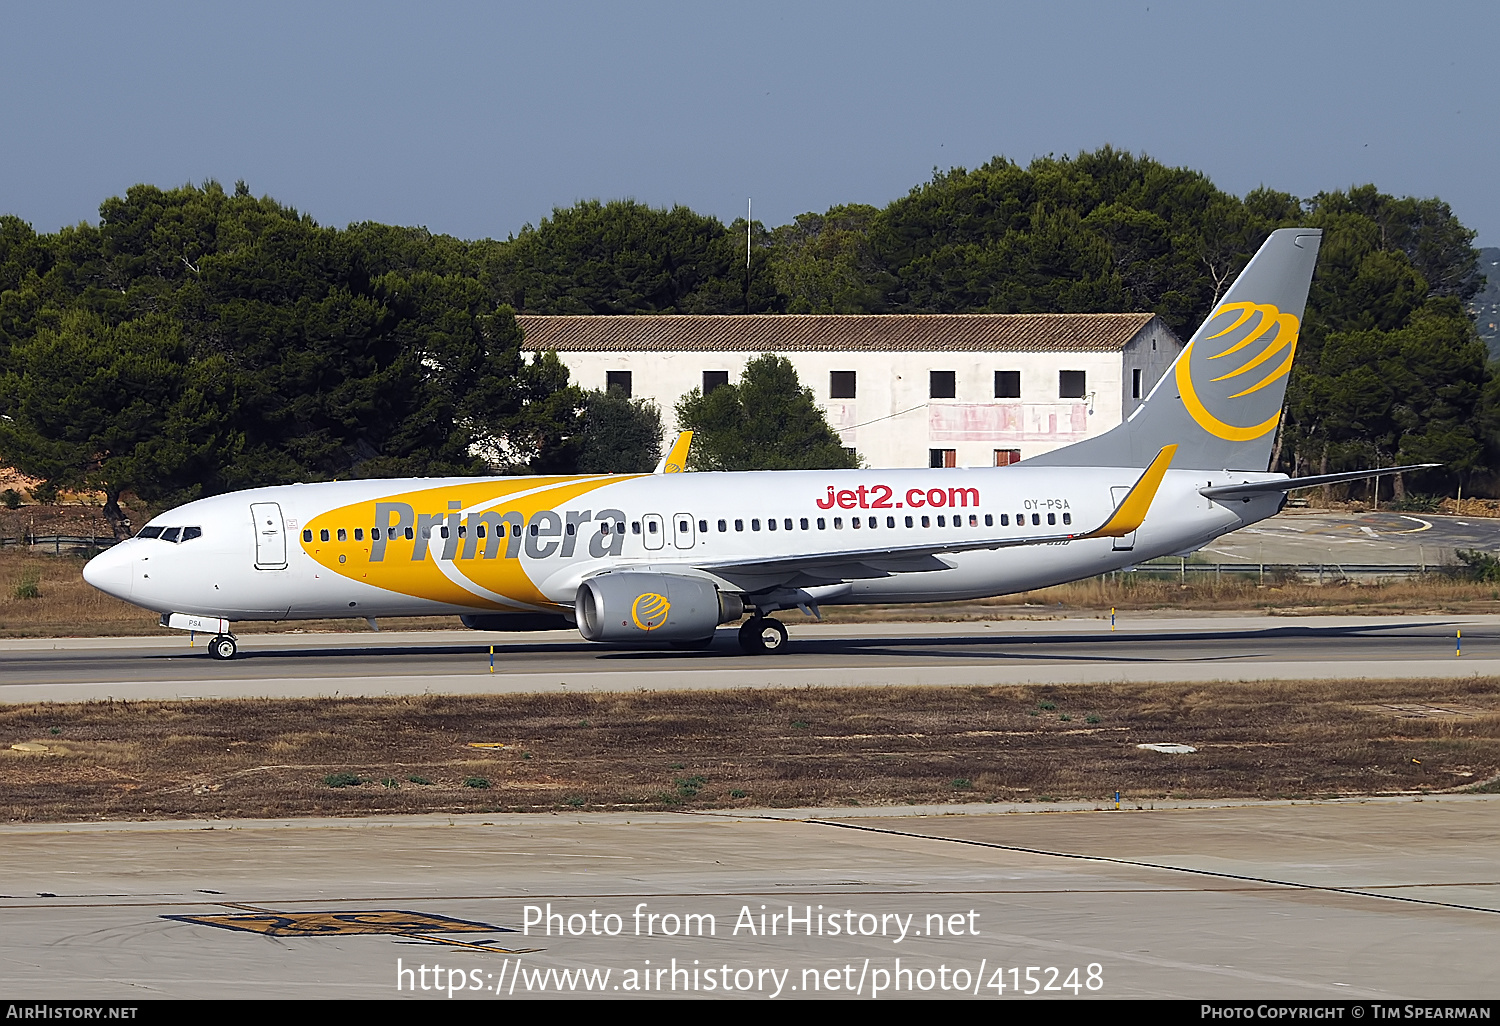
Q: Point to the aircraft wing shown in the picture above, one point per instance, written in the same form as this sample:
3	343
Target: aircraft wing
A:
810	569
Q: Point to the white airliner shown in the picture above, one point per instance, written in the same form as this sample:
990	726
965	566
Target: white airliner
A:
671	556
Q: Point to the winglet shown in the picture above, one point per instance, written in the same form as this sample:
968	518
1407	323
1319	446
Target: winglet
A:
1131	513
675	462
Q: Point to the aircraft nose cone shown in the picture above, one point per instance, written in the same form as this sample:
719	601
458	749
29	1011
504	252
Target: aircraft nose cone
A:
112	571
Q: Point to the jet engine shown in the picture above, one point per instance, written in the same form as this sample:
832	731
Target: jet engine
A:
652	607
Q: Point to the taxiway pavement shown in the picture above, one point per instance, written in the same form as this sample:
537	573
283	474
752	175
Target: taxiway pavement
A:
1055	651
1376	899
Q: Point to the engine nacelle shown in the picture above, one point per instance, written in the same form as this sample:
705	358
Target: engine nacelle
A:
652	607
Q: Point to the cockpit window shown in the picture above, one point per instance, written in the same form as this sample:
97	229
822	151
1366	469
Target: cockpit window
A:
150	532
170	534
189	533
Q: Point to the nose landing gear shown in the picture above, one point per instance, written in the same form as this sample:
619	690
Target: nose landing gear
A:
223	646
762	634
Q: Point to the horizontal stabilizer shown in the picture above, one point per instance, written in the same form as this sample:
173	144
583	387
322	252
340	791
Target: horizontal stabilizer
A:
1287	484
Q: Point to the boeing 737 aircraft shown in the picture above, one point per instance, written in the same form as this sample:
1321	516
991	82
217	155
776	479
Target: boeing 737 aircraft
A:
671	556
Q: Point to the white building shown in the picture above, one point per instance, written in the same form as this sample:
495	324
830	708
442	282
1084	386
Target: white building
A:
903	390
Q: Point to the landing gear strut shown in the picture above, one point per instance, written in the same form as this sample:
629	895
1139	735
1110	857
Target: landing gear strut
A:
223	646
762	634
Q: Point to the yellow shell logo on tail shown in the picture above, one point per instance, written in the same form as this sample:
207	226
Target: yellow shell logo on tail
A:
649	611
1263	365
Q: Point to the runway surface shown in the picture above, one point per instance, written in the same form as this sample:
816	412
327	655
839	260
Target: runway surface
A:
1204	648
1380	899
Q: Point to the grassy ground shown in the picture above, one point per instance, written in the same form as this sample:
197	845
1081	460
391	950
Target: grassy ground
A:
722	749
64	606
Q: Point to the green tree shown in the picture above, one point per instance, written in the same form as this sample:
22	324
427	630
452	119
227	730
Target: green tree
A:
620	435
116	408
768	421
626	257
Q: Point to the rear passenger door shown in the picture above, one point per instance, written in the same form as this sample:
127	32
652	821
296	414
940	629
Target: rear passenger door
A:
1117	496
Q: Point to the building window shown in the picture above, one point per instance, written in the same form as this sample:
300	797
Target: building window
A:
1005	457
1071	385
617	381
1007	384
942	457
841	384
941	385
1135	383
713	380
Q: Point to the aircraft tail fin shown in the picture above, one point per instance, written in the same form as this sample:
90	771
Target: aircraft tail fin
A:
1220	404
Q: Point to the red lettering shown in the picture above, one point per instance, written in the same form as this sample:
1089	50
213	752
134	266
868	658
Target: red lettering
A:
829	503
882	498
846	499
914	498
937	497
961	496
861	492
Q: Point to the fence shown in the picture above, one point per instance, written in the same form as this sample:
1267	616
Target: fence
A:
59	544
1322	573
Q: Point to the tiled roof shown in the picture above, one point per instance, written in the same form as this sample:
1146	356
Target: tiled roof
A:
758	333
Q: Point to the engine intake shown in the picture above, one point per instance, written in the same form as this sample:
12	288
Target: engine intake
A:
652	607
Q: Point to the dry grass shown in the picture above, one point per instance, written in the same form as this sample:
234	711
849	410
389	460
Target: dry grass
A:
739	748
1233	592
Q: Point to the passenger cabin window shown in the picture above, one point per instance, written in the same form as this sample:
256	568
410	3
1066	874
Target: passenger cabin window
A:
323	534
723	526
344	535
617	381
359	534
841	384
307	536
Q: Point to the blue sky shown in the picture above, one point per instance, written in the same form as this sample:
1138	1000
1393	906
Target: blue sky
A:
473	119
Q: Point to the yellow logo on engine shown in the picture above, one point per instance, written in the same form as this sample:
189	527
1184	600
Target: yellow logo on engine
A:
649	611
1273	361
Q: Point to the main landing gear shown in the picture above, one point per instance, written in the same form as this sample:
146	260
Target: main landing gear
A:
762	634
223	646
